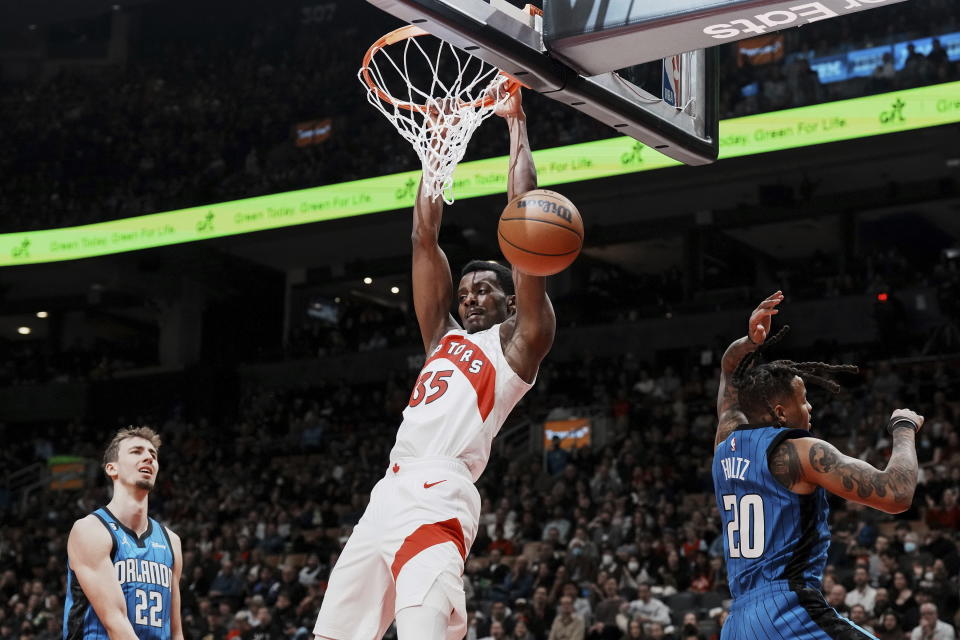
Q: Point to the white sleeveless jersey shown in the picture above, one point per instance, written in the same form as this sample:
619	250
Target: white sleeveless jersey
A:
462	397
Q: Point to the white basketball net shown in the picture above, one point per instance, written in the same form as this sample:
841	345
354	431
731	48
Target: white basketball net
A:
456	103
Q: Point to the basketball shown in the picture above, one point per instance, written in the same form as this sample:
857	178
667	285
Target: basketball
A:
540	232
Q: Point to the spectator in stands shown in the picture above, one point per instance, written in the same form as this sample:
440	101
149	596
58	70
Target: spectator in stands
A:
518	584
521	632
309	574
500	542
540	613
496	571
889	627
862	593
690	632
227	585
648	609
288	584
881	603
915	66
497	632
557	457
560	524
499	613
904	604
567	625
605	616
931	627
836	598
947	515
581	604
937	55
634	631
860	617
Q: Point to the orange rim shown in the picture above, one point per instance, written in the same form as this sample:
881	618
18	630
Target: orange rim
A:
412	31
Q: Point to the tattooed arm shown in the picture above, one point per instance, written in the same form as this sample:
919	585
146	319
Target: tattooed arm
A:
803	464
729	414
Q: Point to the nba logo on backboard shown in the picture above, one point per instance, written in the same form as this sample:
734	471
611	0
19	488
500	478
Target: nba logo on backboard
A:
672	81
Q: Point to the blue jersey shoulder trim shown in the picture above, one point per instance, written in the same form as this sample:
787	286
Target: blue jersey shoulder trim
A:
113	538
786	434
173	556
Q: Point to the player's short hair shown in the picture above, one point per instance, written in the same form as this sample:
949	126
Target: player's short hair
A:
504	274
112	452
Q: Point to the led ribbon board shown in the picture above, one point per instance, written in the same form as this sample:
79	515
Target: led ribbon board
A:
762	133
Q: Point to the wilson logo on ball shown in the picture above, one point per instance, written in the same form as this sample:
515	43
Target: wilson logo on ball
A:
549	207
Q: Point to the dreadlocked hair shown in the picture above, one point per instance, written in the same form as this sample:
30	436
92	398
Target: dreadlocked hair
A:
758	385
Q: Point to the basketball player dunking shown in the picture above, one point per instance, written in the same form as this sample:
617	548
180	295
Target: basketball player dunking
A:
123	573
771	477
406	556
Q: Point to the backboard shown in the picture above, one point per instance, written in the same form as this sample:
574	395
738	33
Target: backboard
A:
681	123
594	36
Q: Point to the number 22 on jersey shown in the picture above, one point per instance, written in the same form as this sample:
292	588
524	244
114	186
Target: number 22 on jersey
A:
155	603
748	523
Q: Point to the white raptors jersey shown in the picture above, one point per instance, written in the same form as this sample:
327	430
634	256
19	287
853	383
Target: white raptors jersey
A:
462	397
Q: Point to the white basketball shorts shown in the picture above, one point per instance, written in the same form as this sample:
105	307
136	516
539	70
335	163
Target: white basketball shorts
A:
417	529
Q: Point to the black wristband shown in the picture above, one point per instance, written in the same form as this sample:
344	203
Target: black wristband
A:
901	421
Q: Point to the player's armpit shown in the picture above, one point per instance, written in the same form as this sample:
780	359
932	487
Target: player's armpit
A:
88	552
890	490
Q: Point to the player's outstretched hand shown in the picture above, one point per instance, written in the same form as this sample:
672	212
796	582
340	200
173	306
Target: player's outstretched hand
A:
512	106
440	116
909	415
758	328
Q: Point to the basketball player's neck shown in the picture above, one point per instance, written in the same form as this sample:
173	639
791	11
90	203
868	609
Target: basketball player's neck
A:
129	505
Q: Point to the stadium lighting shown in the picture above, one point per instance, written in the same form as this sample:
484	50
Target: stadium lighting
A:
42	314
368	280
24	331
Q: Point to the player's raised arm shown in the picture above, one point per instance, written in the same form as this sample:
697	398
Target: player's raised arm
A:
88	549
802	463
176	626
432	282
522	173
528	335
729	414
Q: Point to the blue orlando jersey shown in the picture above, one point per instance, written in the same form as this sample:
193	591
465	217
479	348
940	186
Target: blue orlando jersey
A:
770	533
144	568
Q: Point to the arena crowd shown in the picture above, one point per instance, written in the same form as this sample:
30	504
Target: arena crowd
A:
616	540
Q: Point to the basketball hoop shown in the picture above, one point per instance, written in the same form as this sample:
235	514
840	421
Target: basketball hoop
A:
446	94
